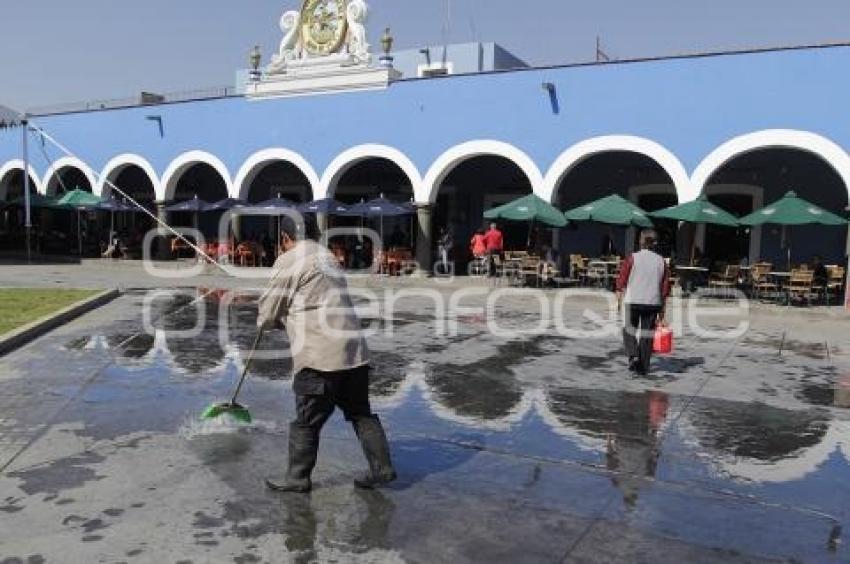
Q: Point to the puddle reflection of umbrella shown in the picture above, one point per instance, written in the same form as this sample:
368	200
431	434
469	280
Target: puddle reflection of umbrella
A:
791	210
79	200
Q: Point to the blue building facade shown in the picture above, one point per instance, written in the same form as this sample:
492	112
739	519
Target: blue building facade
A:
742	125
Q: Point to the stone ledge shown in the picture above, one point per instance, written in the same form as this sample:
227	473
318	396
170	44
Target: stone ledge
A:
31	331
322	80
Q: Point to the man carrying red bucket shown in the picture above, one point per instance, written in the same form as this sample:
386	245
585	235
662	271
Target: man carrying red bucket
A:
643	287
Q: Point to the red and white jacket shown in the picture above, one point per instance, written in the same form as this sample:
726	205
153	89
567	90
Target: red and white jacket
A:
645	279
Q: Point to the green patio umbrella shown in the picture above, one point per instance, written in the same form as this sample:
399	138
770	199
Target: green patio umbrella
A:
610	210
791	210
36	201
529	208
699	211
613	210
78	200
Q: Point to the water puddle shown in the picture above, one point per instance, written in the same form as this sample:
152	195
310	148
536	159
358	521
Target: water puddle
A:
827	393
492	424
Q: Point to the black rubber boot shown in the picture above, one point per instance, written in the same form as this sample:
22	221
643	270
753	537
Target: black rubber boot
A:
303	450
374	442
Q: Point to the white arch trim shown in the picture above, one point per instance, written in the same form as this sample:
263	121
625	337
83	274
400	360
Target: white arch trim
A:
172	174
582	150
117	164
347	159
255	163
450	159
812	143
65	162
18	164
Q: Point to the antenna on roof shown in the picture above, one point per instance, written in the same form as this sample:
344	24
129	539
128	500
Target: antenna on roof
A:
447	26
601	56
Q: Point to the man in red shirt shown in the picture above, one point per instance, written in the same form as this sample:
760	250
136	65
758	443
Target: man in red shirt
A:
495	244
644	285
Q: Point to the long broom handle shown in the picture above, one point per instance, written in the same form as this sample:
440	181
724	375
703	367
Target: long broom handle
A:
247	365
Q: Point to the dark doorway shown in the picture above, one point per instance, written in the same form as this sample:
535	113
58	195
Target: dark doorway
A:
473	187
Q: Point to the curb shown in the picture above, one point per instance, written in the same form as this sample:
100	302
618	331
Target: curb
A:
23	335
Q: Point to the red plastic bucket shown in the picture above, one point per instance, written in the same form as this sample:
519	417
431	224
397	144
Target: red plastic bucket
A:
662	343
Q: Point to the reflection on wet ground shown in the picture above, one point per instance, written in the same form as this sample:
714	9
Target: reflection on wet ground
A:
536	465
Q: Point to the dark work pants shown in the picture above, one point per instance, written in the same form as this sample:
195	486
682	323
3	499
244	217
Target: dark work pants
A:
639	331
318	393
491	262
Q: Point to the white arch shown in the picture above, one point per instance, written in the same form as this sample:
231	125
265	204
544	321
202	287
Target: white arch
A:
172	174
51	179
582	150
450	159
18	164
347	159
806	141
255	163
117	165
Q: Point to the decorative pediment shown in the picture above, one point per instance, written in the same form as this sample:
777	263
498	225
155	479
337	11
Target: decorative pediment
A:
322	28
324	49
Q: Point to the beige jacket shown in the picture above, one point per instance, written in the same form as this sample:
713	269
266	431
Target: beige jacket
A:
308	296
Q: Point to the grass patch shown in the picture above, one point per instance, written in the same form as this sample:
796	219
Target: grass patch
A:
19	306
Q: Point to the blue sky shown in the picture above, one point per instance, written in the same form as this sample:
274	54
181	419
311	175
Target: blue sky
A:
54	51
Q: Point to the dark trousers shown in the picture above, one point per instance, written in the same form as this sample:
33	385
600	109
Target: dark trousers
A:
639	331
491	262
317	394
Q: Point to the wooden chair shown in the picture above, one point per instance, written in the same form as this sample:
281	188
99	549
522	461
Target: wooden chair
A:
380	264
800	285
596	274
834	282
478	266
245	255
725	280
760	282
515	255
529	270
578	269
398	261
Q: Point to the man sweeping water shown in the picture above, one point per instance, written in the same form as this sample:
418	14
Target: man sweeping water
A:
308	296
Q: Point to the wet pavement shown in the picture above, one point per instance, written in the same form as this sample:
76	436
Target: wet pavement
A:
524	449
